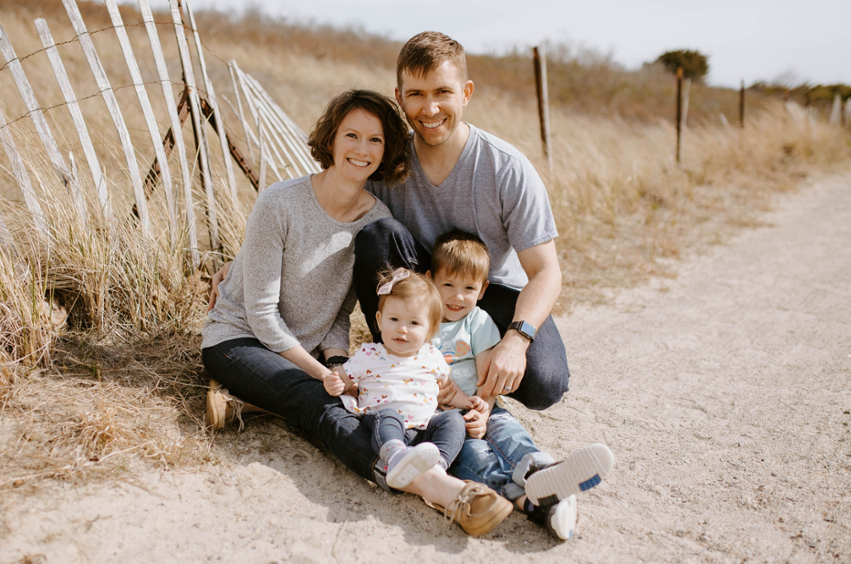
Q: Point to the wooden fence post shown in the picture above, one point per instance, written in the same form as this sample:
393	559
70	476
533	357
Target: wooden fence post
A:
679	111
114	111
742	106
835	113
540	59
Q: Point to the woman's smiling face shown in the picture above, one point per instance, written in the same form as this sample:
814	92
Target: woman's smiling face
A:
358	145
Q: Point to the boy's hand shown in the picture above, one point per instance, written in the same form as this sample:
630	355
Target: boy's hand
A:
333	384
214	283
480	405
477	422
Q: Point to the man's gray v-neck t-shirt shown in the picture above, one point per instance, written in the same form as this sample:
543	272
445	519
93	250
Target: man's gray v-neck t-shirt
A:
493	191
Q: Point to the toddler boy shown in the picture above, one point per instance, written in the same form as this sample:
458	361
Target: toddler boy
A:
498	451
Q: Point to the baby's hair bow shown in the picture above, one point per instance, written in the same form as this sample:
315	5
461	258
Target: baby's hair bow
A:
398	275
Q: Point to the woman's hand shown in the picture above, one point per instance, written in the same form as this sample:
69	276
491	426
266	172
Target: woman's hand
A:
334	385
217	279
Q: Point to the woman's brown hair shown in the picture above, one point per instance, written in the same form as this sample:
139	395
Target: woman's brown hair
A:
394	162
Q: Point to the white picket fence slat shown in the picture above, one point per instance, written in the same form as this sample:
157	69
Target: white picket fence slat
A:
176	129
76	115
114	112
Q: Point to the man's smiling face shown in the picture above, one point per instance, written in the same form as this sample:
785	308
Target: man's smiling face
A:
434	103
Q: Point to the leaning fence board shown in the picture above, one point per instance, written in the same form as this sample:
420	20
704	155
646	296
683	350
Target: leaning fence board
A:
211	98
264	109
294	137
176	128
20	173
271	143
6	239
147	112
195	106
269	159
114	111
261	185
76	115
38	120
231	66
284	155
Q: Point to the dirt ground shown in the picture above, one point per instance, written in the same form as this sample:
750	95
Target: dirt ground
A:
725	394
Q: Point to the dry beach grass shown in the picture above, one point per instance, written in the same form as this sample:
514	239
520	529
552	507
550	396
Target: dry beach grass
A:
105	373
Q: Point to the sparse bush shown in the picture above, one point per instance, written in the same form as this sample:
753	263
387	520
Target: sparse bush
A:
694	63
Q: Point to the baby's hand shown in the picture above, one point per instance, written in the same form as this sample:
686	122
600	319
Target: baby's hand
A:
333	384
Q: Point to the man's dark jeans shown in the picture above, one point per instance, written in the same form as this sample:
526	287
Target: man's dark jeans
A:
386	244
263	378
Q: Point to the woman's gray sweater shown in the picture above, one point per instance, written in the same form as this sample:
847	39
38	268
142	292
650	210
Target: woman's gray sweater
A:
291	282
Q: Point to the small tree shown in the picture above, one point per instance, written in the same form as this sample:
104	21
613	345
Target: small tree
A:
693	63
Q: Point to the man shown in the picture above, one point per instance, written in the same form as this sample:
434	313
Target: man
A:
467	179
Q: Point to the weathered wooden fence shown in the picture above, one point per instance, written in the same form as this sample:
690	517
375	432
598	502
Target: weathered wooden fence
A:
273	140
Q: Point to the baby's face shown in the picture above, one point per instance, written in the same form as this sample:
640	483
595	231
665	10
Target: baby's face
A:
458	294
404	326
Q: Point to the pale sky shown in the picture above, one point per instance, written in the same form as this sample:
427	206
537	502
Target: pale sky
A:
745	39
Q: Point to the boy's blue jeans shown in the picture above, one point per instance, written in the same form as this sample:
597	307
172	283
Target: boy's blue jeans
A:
503	458
387	243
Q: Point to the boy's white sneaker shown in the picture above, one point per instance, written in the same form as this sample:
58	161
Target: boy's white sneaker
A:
410	462
561	520
580	471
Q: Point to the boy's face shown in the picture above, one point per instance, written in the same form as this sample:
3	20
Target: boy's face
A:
458	294
434	103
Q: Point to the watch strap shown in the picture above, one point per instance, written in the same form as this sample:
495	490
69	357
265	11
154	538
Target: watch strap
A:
524	328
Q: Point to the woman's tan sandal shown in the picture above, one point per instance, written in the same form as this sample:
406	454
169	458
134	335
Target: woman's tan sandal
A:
478	509
222	408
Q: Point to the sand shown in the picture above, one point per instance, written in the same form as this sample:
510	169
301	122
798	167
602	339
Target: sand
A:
725	394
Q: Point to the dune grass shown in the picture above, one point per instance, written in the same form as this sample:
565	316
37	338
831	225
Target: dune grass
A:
99	332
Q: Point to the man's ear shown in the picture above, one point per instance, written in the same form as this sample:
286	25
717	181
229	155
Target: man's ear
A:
484	287
398	96
468	91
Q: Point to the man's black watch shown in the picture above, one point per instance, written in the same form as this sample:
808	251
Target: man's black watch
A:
525	329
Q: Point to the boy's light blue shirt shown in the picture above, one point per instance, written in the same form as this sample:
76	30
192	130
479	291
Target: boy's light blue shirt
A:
460	341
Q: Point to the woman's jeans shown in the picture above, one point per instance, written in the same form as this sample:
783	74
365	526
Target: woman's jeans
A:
387	243
263	378
503	458
446	431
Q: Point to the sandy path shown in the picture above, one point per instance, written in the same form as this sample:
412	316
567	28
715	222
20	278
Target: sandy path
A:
725	395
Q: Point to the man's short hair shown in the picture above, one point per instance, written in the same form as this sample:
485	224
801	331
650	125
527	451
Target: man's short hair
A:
428	50
394	161
460	253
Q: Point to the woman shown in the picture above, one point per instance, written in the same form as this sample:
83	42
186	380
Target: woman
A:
287	297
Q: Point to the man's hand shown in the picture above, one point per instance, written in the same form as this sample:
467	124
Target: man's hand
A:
217	279
477	417
334	385
504	370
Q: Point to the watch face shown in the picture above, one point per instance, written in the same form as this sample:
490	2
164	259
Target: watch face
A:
525	329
